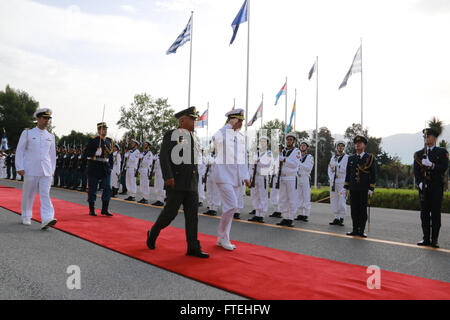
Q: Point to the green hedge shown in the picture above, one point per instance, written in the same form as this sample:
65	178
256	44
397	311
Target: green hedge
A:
388	198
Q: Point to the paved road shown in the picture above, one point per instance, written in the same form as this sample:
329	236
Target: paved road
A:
33	263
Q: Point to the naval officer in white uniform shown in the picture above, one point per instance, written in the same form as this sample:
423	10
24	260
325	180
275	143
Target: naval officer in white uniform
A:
36	162
229	172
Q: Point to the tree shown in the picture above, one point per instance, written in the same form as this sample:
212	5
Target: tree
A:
281	126
373	144
147	119
324	153
74	138
16	113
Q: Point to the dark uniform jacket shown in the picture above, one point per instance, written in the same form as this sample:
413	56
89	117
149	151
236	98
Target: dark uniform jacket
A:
59	160
361	173
185	174
97	167
427	175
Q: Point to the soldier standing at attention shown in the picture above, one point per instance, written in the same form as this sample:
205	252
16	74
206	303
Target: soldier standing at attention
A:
430	165
360	180
179	169
99	162
36	161
336	173
305	167
132	166
146	159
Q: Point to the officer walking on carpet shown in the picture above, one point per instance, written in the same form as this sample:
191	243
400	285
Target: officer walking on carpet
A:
181	181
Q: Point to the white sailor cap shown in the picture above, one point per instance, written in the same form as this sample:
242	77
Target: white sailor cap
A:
293	135
235	114
147	142
264	137
339	142
117	146
304	142
135	141
43	112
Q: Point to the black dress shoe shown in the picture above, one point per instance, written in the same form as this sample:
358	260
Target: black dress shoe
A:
144	201
289	223
282	222
362	235
334	222
200	204
252	212
256	219
353	233
150	242
305	218
341	222
197	253
237	215
130	198
435	244
158	203
276	214
424	243
299	218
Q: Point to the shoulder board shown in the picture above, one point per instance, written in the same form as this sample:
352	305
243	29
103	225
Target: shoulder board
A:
93	137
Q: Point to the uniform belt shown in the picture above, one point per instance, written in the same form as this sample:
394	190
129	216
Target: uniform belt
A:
98	159
289	174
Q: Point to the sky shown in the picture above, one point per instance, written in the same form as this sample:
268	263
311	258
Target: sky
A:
78	56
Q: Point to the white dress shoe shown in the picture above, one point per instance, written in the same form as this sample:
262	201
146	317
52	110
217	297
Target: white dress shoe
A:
219	243
26	222
48	224
227	245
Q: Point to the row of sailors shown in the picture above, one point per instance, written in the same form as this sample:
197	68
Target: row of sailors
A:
287	176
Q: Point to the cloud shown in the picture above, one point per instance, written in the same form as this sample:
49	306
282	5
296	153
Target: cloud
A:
433	6
179	5
128	8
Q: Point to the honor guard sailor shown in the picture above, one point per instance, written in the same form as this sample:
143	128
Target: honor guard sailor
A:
360	178
260	180
146	159
430	165
132	166
336	173
99	163
158	186
36	162
115	173
305	166
179	169
287	180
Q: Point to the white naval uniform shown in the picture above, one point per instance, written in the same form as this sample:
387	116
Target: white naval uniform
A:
160	193
229	173
305	166
115	172
288	193
36	155
130	178
2	167
338	167
144	171
259	194
212	193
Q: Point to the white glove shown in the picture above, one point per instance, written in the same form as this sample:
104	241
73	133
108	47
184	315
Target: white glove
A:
370	193
98	152
427	162
282	158
420	185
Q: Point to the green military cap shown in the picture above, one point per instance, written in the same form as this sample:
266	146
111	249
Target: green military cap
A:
102	124
190	112
360	138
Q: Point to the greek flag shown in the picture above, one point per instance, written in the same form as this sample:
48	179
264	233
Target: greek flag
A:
311	72
184	37
4	145
240	18
354	68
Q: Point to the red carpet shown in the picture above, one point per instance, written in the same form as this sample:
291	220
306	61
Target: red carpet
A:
252	271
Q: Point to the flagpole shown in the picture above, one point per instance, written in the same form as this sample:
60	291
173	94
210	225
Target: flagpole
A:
362	128
262	108
207	125
317	122
190	58
295	110
248	66
285	112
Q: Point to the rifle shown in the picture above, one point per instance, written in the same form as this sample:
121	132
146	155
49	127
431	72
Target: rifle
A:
151	172
252	185
205	177
425	170
333	188
277	186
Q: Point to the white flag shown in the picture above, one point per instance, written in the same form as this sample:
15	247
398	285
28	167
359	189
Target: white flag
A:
354	68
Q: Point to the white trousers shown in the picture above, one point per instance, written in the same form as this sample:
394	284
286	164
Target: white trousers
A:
201	189
288	199
337	200
144	183
260	196
115	179
274	196
130	181
229	196
30	188
212	195
160	193
304	198
241	198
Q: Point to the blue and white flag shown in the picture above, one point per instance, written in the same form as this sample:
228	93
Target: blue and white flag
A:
184	37
354	68
240	18
4	145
